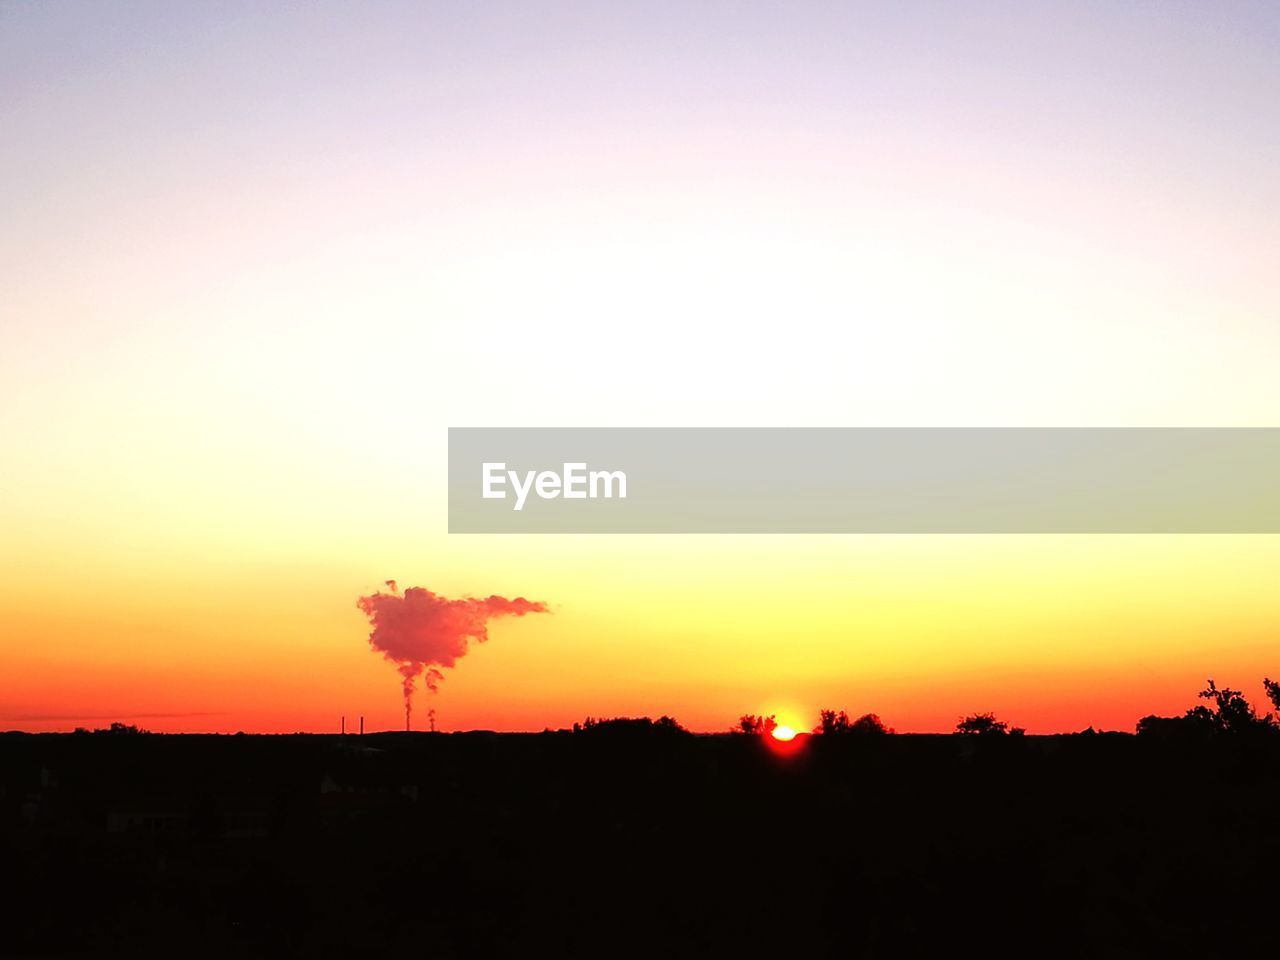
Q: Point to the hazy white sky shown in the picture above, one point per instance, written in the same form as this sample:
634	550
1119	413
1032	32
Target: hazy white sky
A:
790	212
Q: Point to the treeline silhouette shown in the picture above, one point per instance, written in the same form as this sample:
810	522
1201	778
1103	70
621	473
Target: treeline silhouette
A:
1228	712
633	837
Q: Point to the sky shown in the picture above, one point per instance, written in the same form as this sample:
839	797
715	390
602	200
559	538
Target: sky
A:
255	259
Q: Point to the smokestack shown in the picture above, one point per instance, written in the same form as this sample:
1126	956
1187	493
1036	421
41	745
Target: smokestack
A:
424	634
344	726
362	726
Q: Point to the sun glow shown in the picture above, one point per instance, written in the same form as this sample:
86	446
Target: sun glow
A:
783	733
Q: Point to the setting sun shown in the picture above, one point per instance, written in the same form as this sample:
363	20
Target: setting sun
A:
784	733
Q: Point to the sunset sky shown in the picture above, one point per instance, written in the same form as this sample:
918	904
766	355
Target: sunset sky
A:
255	262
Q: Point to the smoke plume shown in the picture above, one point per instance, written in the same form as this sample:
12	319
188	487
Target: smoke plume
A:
423	634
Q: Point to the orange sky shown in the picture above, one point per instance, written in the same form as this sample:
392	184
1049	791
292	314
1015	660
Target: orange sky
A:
1051	632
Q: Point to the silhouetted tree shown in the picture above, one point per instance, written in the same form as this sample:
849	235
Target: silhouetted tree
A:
982	724
120	729
1273	691
1231	712
869	723
838	722
830	721
749	723
629	725
1153	725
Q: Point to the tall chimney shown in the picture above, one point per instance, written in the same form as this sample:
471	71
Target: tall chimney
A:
344	725
362	726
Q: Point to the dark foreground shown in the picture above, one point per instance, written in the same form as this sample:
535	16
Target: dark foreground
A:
653	843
